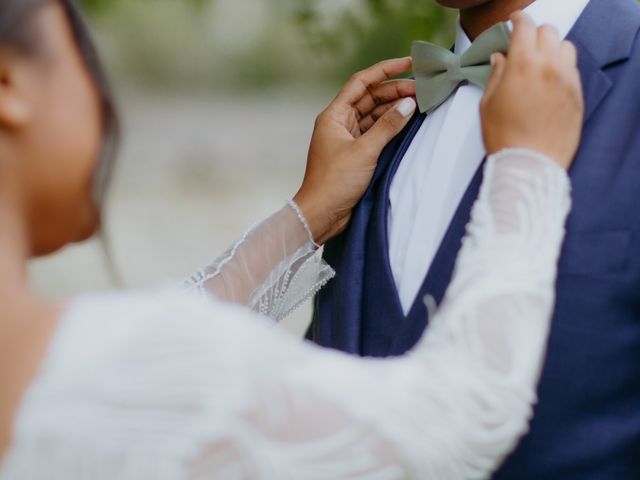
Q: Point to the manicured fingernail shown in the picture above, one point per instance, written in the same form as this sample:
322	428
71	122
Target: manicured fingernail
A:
407	107
492	58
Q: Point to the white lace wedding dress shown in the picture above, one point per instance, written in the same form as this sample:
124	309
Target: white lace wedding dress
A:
172	385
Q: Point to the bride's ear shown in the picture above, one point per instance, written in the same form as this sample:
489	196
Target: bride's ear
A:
16	90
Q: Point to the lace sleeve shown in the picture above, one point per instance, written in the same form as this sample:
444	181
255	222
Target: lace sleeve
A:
272	269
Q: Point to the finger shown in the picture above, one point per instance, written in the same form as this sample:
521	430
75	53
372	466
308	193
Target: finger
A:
570	59
524	36
569	53
367	122
498	62
358	86
386	92
548	39
390	125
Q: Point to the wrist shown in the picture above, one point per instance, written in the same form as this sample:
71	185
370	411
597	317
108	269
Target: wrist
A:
561	158
320	221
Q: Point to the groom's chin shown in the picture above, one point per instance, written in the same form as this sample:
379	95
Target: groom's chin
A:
463	4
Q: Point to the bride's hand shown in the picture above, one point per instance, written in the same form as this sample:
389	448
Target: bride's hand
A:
348	138
534	96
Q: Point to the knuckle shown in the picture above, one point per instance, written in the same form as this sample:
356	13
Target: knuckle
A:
484	105
527	60
361	79
378	65
321	118
377	97
551	71
548	30
365	127
570	52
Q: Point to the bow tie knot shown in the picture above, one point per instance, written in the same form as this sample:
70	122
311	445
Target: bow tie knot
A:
454	69
439	71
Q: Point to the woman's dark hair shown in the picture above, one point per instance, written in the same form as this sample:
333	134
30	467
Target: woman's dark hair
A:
18	31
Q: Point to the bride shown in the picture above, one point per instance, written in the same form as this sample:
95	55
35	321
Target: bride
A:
194	382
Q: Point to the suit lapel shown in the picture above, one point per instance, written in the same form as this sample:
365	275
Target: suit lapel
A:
595	83
601	45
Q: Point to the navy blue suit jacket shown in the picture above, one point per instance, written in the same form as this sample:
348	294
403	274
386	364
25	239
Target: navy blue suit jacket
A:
587	422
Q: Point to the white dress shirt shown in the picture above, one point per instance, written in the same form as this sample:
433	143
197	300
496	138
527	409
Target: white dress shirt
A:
440	163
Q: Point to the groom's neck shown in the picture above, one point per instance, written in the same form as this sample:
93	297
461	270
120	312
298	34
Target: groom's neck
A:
475	20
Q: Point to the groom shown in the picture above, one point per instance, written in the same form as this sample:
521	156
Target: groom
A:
405	235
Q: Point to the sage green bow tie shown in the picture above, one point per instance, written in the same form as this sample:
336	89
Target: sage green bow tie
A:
439	71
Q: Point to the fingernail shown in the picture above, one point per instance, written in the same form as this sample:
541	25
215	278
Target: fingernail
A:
492	59
407	107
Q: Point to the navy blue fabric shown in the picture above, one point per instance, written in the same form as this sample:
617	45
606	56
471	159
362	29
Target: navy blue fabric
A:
587	422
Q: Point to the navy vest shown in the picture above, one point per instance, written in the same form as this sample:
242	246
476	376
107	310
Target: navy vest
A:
587	423
386	331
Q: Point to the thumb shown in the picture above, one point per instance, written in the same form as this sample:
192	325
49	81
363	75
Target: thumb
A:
499	62
389	125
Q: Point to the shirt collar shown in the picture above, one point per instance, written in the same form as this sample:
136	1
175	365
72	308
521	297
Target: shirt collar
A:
562	14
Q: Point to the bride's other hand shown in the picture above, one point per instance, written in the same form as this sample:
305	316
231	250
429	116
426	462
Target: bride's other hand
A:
348	138
534	96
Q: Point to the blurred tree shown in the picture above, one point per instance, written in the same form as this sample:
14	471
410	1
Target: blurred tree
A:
173	44
99	6
370	30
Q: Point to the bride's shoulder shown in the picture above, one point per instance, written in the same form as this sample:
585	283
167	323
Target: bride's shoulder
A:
102	330
131	309
146	302
145	352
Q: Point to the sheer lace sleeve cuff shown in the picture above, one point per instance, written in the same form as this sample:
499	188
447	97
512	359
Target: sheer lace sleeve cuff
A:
273	268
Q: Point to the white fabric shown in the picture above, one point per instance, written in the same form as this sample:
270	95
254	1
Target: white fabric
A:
172	386
440	163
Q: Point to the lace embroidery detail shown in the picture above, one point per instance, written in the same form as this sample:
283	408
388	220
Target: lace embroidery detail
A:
303	220
274	268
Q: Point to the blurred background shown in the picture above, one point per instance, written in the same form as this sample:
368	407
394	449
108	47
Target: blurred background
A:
218	99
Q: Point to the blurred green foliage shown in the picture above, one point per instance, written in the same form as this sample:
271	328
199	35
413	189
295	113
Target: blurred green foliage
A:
371	30
190	43
100	6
